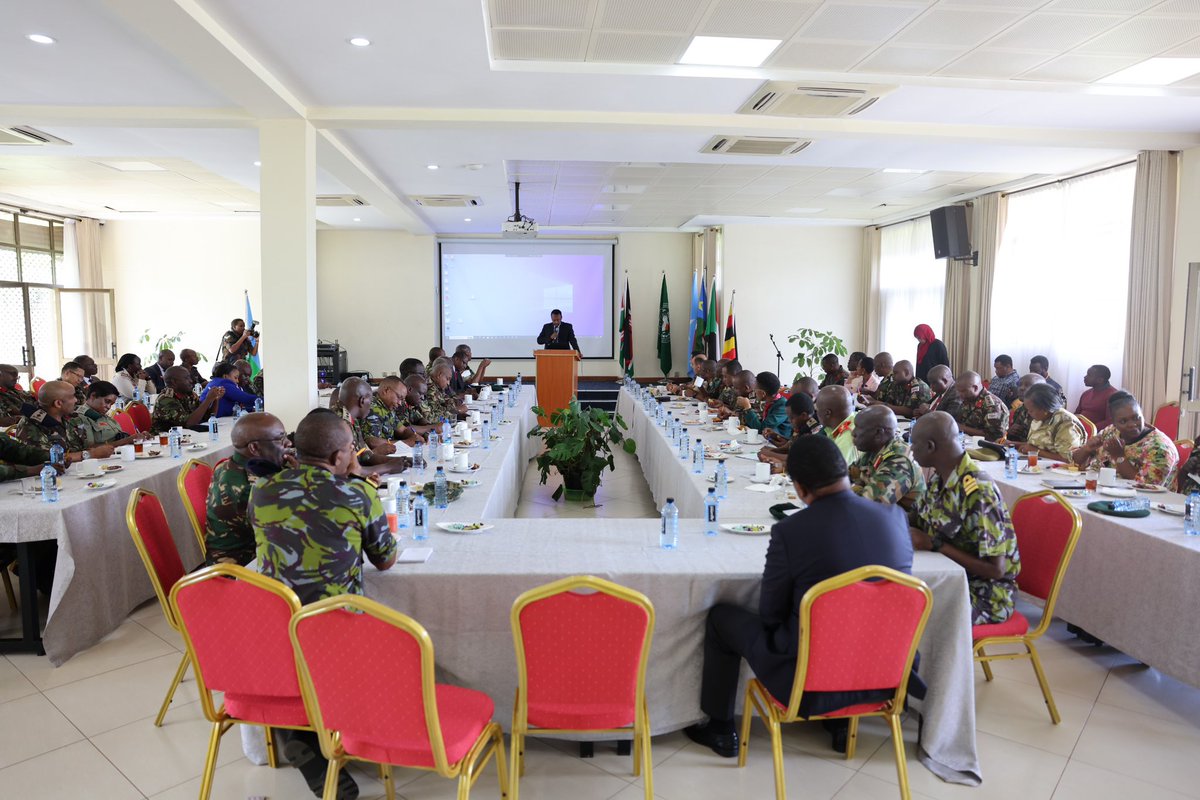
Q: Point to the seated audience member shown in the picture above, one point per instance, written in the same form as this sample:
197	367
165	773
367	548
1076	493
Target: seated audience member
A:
459	386
714	385
1019	420
189	359
130	379
20	460
1004	384
1189	475
411	366
53	420
256	385
475	376
90	369
945	397
72	373
412	412
886	472
1040	365
835	411
836	532
227	378
772	407
1093	403
931	351
707	377
902	392
178	406
238	342
980	412
440	403
881	371
835	374
864	380
314	526
259	451
356	397
98	427
805	385
382	423
854	360
729	390
1054	432
245	375
690	388
742	387
802	414
1139	452
12	399
962	516
434	354
166	360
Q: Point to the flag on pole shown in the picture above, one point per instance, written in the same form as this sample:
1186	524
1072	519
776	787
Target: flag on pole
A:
699	312
696	313
626	332
710	324
730	348
255	363
664	330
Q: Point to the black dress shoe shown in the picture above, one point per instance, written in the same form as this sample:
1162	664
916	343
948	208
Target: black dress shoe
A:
839	730
723	744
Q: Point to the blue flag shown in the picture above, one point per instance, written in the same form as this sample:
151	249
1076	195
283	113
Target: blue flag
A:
699	316
255	363
693	321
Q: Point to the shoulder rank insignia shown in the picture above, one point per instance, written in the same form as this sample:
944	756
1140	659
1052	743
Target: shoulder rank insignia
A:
970	485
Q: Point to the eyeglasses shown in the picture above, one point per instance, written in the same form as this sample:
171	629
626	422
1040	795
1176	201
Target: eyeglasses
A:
281	439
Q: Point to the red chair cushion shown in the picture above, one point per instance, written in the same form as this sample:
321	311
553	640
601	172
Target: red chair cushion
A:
582	716
1016	625
126	423
140	416
1043	527
155	534
196	482
463	714
267	709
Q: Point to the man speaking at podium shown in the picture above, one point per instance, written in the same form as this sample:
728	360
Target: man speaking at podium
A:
558	335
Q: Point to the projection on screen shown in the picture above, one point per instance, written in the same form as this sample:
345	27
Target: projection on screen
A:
496	295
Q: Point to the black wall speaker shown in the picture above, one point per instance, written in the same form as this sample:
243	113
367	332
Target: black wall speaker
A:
950	232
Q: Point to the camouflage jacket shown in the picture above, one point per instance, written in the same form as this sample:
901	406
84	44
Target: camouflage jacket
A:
41	430
98	428
909	395
1019	423
712	388
947	401
312	529
14	454
356	430
438	406
1061	433
256	385
986	412
80	396
966	511
11	401
728	396
409	415
171	410
838	378
890	475
229	538
381	422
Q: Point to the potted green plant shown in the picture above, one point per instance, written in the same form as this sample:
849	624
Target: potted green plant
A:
578	445
164	342
814	345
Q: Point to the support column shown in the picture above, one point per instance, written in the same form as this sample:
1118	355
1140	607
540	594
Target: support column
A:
287	193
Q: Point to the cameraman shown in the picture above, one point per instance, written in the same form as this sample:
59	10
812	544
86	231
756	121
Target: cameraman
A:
239	342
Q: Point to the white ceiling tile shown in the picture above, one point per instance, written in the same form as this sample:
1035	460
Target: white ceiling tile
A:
521	45
1144	36
895	59
855	22
656	16
994	64
539	13
1181	7
1102	6
638	48
962	28
823	56
773	19
1054	33
1079	68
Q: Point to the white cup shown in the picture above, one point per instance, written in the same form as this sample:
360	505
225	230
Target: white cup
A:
475	417
126	452
88	469
485	393
448	452
762	471
753	436
469	400
1108	477
462	460
499	381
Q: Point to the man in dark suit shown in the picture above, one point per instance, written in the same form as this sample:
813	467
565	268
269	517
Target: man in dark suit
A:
837	532
558	335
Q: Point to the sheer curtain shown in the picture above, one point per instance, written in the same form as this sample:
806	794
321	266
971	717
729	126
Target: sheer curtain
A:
1062	276
912	286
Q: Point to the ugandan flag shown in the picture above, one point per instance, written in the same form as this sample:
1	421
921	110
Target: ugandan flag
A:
729	349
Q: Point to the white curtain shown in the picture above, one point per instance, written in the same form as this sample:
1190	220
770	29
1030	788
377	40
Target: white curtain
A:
1062	277
872	312
912	286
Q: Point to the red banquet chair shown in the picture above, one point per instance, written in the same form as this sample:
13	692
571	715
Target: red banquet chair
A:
1184	447
414	722
566	640
1047	530
152	537
193	482
858	631
235	624
1166	419
37	385
1089	427
140	416
126	423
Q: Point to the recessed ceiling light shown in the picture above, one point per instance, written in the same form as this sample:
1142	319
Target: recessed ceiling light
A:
729	51
431	166
473	167
359	41
40	38
1155	72
896	171
466	219
358	219
258	163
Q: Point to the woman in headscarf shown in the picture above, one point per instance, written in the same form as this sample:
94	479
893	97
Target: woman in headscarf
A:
930	351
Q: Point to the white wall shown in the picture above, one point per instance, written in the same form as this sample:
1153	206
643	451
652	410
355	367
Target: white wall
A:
181	275
790	277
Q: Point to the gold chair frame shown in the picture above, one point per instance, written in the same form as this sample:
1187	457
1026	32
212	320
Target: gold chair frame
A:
1027	639
221	721
467	769
181	486
133	403
759	699
641	721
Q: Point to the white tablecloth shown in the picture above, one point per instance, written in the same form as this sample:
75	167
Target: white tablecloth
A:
99	577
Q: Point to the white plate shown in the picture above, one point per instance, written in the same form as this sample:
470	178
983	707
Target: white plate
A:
1075	493
752	444
457	527
1070	474
155	454
1147	488
747	456
101	484
457	471
467	483
746	529
106	468
96	476
1117	491
1031	470
713	478
1175	510
465	445
756	479
197	446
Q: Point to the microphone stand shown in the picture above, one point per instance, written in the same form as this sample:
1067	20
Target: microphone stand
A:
778	357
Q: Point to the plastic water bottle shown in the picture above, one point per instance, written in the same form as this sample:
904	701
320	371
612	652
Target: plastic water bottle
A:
49	483
174	442
683	445
120	404
57	452
212	428
711	513
420	521
241	412
1191	514
485	433
435	445
258	404
403	510
698	458
671	434
439	489
1010	463
447	431
722	479
137	393
418	457
512	397
668	537
519	385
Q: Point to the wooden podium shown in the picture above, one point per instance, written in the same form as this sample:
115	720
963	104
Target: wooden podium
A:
557	379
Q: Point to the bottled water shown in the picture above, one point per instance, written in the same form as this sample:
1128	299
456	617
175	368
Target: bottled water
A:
668	537
1010	463
1191	516
49	483
174	441
212	427
722	479
57	452
447	431
439	490
241	412
684	451
698	458
418	458
518	383
671	433
258	404
137	393
711	513
511	395
403	511
485	433
435	445
420	520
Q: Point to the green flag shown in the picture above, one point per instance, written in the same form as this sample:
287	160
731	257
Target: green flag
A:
626	333
710	324
664	330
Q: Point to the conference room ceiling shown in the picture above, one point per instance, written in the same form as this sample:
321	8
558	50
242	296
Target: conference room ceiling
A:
988	93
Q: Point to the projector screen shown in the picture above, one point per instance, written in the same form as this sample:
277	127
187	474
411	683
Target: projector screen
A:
496	294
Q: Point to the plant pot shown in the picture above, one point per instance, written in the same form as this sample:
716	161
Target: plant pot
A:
572	488
577	495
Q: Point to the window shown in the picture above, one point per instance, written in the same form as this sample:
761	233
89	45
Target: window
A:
1062	276
912	285
30	248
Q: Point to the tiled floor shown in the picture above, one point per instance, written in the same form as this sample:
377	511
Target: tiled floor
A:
85	730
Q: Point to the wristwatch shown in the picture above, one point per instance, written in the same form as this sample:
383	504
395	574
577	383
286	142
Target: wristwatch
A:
85	455
1120	460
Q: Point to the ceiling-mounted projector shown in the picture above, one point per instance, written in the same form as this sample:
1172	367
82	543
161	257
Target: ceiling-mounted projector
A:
518	226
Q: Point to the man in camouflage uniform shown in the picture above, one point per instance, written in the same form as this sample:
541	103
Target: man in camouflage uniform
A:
886	472
19	460
962	516
412	411
835	373
1019	421
178	406
12	399
313	525
356	398
259	444
981	413
434	354
729	389
944	396
902	391
53	421
714	384
73	374
439	404
384	420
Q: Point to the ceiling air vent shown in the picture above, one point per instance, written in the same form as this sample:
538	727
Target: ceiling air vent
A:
754	145
340	200
446	201
791	99
25	135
